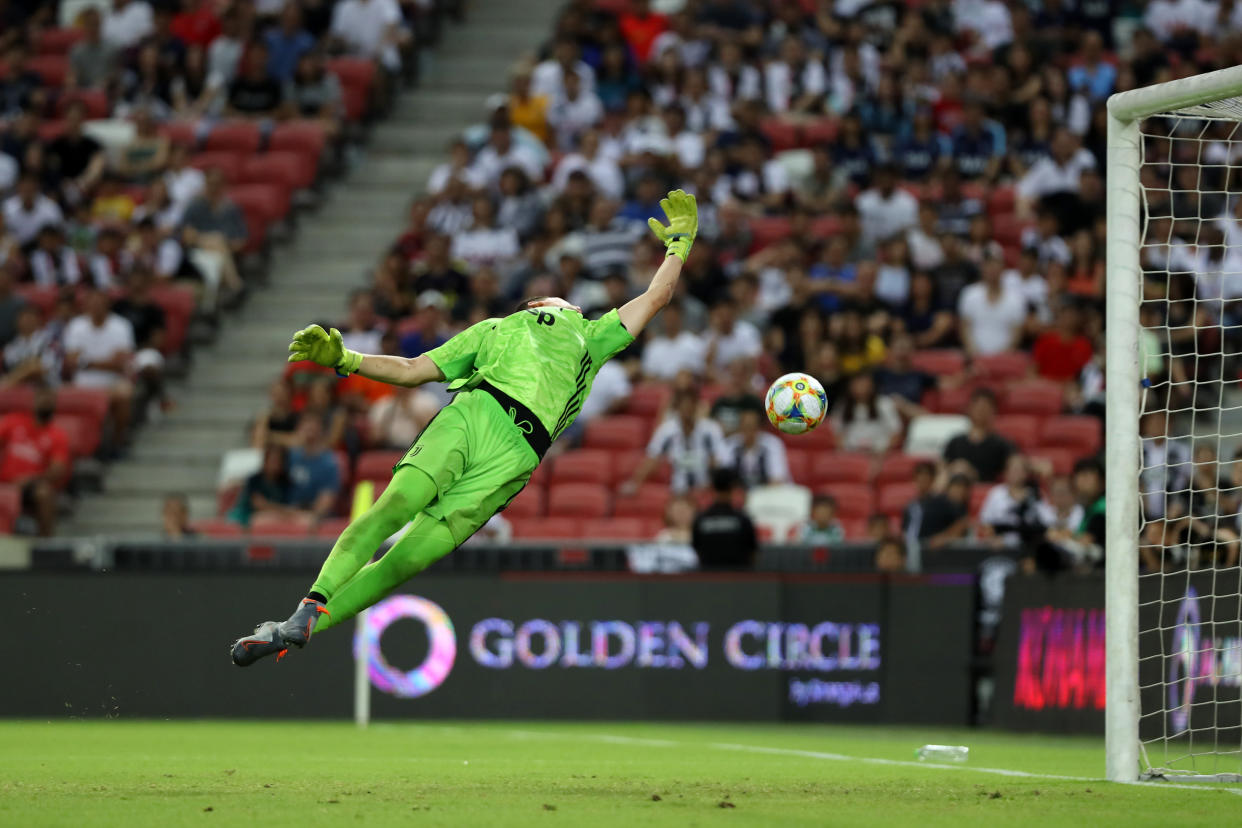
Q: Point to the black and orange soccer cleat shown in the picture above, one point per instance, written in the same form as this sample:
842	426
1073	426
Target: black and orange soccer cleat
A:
266	641
299	626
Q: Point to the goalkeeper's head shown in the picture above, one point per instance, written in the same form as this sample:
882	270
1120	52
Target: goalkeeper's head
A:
544	302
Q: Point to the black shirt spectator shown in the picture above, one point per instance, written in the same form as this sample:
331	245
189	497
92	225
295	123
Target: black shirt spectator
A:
723	536
980	450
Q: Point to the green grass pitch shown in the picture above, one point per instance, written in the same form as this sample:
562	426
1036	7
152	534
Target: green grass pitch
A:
123	773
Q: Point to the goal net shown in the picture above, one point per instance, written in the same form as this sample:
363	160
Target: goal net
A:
1174	408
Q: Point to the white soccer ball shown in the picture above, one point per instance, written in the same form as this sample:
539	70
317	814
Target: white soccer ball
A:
796	403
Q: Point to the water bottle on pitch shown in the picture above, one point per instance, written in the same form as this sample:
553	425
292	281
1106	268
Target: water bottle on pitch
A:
943	753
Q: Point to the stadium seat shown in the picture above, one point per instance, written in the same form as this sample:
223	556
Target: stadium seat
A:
217	528
618	432
271	202
182	133
44	298
626	461
1020	429
840	467
229	164
1038	397
531	502
894	497
781	134
616	528
376	465
58	41
821	131
825	226
303	137
284	168
277	526
10	507
583	466
1003	367
178	304
1080	434
800	462
821	438
649	501
353	71
549	528
951	400
854	500
50	130
1007	229
855	529
95	101
331	528
17	398
82	433
541	475
234	136
87	402
939	361
52	69
766	230
647	400
1061	459
579	500
1002	201
899	468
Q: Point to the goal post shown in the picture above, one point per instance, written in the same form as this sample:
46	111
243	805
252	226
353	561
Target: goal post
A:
1189	107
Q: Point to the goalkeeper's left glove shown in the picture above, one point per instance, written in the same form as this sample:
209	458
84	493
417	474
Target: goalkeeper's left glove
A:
324	348
683	223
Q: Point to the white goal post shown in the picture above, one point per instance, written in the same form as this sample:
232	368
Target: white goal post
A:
1150	729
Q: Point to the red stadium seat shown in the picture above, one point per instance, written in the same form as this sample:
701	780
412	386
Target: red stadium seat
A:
894	498
277	526
939	361
549	528
899	468
624	464
18	398
95	101
1080	434
530	502
1004	367
840	467
855	529
800	463
579	500
1020	429
229	164
1061	459
1007	229
647	400
825	226
377	465
649	501
951	400
178	305
821	438
583	466
10	507
766	230
541	475
49	131
234	136
356	76
1039	397
58	41
331	528
781	134
52	69
181	133
1001	201
619	432
822	131
82	432
617	528
270	201
87	402
217	528
854	500
44	298
303	137
284	168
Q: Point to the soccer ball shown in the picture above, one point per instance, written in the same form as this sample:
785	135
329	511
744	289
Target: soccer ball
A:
796	403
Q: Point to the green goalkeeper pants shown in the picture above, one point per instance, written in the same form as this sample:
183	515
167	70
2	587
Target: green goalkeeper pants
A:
468	463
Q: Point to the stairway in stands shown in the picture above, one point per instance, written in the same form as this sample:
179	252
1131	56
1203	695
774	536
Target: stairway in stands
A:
333	252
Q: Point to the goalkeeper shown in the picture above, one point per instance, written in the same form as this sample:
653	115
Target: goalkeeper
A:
521	381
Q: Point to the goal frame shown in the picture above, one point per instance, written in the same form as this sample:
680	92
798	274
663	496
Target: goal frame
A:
1122	452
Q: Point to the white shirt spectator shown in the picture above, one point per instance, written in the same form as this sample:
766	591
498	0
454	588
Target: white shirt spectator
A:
603	171
1049	249
1166	468
223	56
773	178
25	224
892	284
571	118
743	341
779	80
989	19
486	245
106	272
40	345
55	269
992	324
124	28
1046	176
97	344
364	342
691	456
611	384
1001	509
443	173
707	112
489	164
548	78
665	357
1034	291
689	149
747	86
761	464
1165	18
925	249
364	25
450	217
184	185
864	432
883	217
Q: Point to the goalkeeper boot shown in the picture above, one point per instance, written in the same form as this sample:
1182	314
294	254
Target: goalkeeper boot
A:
298	628
266	641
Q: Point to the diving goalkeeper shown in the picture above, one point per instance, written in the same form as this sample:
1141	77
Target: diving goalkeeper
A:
521	381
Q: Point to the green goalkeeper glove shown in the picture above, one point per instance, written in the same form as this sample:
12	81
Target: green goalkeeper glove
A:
324	348
683	223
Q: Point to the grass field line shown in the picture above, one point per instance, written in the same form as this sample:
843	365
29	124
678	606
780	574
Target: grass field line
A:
866	760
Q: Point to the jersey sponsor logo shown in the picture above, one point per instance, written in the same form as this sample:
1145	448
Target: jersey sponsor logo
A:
574	405
542	317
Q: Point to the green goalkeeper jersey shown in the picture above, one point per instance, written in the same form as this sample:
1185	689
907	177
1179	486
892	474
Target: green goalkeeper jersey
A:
546	358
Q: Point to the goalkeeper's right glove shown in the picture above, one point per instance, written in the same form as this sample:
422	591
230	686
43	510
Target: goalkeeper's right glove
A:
683	223
324	348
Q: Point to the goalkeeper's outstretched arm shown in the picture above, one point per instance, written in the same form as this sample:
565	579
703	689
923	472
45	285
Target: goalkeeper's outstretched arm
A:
326	348
678	236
